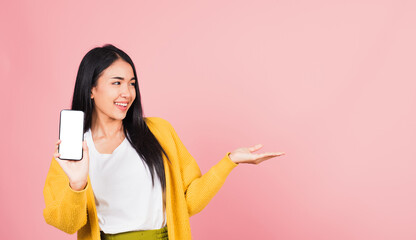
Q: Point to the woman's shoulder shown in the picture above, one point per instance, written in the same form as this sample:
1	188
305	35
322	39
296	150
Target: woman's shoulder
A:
156	120
161	129
158	123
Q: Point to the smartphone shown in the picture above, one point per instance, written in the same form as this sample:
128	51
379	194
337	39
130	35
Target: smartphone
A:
71	134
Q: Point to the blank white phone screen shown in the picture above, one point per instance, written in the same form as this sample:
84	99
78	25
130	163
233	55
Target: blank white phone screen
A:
71	134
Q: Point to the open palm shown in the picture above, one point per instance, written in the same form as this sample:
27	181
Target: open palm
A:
246	155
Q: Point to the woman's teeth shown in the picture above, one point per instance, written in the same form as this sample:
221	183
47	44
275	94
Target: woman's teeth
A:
122	104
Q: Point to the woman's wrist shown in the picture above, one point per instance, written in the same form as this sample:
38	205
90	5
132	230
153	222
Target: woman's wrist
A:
231	157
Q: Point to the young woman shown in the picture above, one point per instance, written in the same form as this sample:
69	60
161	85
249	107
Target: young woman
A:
136	179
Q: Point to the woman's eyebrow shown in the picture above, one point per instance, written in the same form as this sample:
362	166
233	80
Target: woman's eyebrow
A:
121	78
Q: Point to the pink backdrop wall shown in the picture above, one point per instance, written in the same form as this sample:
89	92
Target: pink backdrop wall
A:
331	83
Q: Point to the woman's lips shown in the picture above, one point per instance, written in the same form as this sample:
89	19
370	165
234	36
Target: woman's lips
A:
122	108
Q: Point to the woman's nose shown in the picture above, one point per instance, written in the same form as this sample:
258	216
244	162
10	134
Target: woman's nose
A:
125	91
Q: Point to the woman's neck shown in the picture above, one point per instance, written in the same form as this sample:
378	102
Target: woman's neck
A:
106	128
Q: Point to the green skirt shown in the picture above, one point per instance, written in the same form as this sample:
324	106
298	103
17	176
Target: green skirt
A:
156	234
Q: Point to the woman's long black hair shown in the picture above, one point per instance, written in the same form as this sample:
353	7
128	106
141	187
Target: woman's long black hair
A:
139	135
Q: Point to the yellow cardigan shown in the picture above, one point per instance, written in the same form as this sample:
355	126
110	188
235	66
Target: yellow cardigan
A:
187	192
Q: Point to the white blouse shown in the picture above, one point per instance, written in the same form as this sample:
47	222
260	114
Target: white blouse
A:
123	191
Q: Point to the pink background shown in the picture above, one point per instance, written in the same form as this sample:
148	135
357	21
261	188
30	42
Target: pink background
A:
331	83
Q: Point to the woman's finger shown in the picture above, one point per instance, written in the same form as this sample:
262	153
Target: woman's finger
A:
263	159
271	154
57	143
56	156
265	156
277	153
255	147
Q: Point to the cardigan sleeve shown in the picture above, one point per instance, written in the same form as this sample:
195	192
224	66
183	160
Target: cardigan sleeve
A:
200	189
65	208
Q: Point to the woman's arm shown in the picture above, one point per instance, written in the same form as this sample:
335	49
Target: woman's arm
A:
66	209
200	189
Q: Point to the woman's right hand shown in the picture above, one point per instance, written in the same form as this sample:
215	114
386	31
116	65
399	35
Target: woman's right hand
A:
76	170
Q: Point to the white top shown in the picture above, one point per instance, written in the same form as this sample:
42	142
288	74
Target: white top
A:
123	191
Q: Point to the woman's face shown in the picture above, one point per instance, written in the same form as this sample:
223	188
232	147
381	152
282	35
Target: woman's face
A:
115	91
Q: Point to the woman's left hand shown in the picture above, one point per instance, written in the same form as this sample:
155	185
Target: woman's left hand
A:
246	155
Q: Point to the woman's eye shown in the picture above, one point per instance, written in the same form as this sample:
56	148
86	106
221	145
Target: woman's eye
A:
115	83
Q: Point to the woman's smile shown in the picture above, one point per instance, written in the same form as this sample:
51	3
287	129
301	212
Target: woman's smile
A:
121	105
